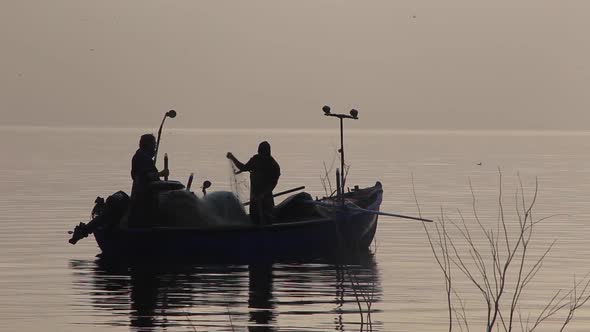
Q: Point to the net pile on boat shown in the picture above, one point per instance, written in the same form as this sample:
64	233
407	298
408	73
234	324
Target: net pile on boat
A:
181	208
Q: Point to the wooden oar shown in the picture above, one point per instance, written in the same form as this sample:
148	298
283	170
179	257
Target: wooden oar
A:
348	207
390	214
282	193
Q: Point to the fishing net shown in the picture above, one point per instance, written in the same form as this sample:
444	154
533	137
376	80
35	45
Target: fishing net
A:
239	183
226	207
181	208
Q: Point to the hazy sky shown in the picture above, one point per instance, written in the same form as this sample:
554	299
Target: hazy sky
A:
495	64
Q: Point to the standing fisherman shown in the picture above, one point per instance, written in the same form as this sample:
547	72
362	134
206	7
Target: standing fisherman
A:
143	172
264	176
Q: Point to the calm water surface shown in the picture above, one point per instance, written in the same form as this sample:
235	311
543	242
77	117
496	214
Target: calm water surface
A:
50	178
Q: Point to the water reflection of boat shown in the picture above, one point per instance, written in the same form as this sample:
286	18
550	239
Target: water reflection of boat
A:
217	297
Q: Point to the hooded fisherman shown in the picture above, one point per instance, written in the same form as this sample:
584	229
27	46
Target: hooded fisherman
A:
264	176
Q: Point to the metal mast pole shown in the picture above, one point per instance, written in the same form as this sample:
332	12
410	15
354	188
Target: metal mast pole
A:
354	116
342	154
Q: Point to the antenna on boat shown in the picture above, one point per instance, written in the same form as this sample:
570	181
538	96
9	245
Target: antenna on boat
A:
354	116
170	114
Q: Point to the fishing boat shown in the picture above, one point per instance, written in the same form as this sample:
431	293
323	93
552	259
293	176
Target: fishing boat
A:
325	231
302	227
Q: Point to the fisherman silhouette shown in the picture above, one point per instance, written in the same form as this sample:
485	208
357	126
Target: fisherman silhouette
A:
264	176
143	172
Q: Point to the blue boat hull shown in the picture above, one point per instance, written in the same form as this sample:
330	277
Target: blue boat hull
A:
342	231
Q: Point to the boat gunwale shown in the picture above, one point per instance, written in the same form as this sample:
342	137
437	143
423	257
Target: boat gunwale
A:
242	228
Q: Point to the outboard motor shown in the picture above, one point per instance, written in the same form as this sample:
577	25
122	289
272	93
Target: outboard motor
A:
104	214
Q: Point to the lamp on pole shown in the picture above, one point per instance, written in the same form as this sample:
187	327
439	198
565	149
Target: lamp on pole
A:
170	114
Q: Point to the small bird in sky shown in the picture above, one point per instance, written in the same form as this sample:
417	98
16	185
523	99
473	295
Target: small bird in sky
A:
479	164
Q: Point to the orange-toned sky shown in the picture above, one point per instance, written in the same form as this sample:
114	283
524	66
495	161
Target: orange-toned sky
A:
447	64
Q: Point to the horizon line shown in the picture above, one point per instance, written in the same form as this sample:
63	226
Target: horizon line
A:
424	131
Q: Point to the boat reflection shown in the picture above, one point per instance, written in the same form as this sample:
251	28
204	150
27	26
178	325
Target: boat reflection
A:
168	296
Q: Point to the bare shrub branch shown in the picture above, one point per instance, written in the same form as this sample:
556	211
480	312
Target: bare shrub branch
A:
501	268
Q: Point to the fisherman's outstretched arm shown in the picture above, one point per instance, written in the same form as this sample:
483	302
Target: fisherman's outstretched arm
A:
236	162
